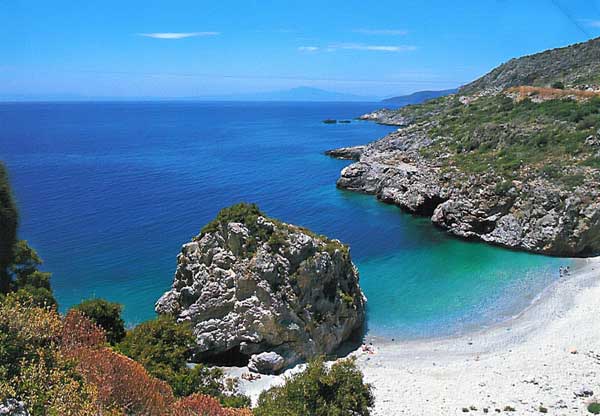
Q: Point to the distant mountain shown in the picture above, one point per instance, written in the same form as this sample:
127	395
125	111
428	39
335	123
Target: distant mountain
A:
417	97
573	66
297	94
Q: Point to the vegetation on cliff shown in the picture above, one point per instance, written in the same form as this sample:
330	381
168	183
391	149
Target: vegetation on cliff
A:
555	139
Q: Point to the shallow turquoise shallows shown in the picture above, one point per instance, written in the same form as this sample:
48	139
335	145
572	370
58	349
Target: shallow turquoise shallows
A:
108	192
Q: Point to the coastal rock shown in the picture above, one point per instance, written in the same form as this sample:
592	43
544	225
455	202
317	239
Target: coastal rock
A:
387	117
349	153
256	289
535	215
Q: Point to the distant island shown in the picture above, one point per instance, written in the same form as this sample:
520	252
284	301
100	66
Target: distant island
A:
417	97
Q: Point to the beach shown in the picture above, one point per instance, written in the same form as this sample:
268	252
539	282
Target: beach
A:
546	358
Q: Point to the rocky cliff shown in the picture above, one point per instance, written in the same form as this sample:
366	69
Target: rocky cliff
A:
514	167
259	290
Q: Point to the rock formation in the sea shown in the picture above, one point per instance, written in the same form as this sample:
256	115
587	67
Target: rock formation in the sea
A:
517	167
259	290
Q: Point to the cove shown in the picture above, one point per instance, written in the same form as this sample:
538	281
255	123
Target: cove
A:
108	192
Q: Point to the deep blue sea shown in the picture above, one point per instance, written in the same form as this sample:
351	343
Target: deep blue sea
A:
108	192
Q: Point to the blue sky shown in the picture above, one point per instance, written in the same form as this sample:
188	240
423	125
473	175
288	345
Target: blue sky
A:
129	48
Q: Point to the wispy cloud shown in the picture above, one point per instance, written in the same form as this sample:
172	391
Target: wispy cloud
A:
177	35
308	48
593	23
358	47
378	48
394	32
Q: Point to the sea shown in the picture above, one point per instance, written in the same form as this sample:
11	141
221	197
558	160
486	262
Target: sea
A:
109	191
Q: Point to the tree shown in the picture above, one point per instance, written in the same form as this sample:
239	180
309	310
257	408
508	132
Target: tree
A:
8	228
25	278
319	391
107	315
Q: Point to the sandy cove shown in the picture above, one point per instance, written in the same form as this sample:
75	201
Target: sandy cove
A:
547	357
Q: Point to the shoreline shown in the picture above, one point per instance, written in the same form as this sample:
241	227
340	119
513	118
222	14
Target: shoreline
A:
541	357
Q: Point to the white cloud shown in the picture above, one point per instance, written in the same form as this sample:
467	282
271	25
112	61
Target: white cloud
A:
177	35
379	48
308	48
594	23
395	32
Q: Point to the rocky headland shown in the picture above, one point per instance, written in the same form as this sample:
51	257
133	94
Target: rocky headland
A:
264	293
489	163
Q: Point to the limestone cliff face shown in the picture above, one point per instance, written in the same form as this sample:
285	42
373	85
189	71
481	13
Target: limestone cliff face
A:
263	290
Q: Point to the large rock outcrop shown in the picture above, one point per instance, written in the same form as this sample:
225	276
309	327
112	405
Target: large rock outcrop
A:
259	290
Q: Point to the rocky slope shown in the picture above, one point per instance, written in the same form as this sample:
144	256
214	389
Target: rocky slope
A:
575	66
513	170
257	289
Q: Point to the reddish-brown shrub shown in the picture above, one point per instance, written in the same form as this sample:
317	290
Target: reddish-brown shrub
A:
122	383
198	405
238	412
79	331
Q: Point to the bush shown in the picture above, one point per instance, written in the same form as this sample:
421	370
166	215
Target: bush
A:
122	383
594	408
164	348
558	85
243	213
319	391
32	368
161	345
107	315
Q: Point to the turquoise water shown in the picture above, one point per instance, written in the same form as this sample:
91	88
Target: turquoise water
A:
108	192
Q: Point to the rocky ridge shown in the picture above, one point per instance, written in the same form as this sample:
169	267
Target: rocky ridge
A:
261	291
512	170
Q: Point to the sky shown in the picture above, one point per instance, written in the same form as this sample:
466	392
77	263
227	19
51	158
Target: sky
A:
178	48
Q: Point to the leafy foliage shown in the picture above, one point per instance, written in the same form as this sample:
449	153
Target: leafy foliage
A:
319	391
25	278
32	368
594	408
493	133
164	347
107	315
8	228
243	213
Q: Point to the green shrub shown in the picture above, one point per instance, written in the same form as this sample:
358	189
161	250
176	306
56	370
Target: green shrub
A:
594	408
337	391
243	212
164	348
503	187
558	85
105	314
